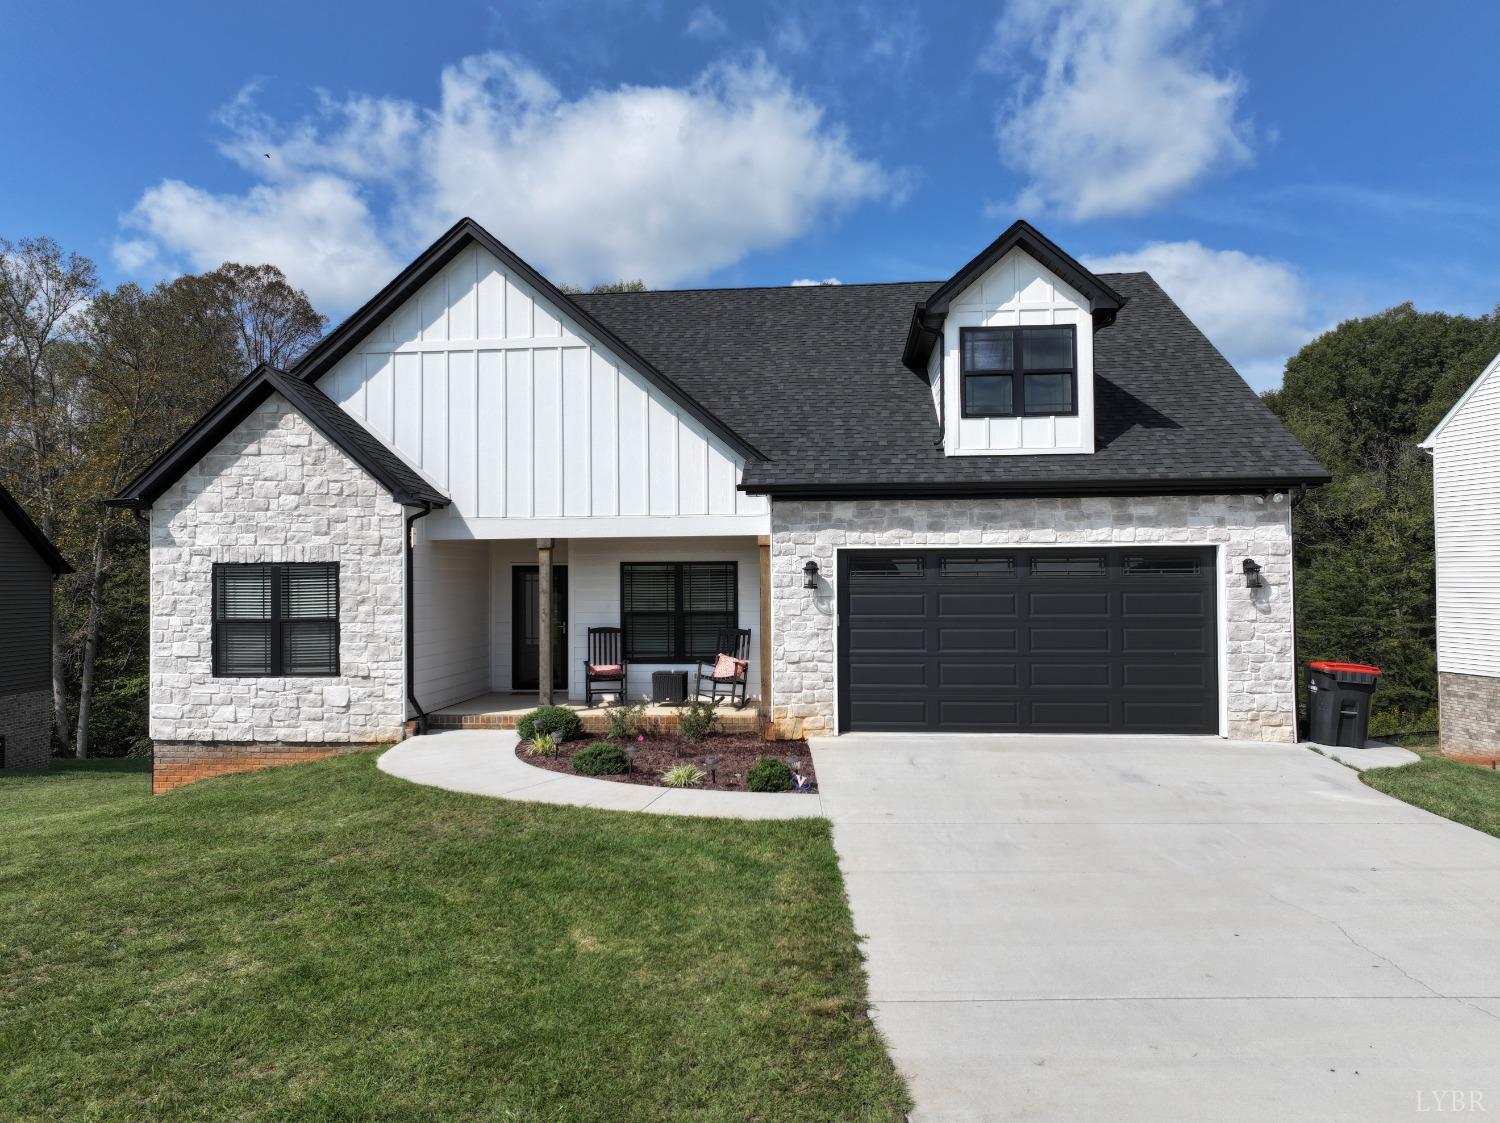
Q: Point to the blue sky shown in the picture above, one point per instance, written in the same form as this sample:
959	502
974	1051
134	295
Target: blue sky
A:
1277	166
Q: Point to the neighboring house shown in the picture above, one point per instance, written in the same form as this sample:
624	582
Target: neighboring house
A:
1465	450
1030	495
28	565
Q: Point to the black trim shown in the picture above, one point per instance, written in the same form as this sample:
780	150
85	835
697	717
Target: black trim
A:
430	262
33	534
419	715
358	443
275	620
1018	370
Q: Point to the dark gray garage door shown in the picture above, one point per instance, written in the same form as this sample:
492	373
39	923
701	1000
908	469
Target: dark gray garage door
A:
1038	641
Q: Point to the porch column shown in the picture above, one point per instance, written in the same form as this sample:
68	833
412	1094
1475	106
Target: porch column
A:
765	636
544	620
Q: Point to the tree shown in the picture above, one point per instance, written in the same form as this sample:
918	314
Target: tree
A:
608	286
1361	397
42	290
274	323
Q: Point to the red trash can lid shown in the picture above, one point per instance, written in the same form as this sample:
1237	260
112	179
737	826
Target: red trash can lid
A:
1347	668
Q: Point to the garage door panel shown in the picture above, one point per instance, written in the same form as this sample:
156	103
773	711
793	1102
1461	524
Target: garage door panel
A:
1047	640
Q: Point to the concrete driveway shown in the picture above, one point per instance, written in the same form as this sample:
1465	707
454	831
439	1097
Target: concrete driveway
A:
1121	928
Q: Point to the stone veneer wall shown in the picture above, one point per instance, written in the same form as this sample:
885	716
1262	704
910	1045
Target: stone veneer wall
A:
274	490
26	725
1261	694
1469	714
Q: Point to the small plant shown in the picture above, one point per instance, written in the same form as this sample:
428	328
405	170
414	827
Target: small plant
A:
601	759
550	719
682	776
699	719
624	718
769	775
544	744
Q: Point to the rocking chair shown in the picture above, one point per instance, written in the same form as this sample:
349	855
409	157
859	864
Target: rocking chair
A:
604	669
734	642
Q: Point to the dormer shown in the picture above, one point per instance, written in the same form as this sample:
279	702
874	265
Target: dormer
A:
1007	345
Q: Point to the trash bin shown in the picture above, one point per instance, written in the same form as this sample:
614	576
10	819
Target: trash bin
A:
1338	702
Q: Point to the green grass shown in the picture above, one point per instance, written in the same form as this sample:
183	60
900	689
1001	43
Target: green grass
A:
325	942
1462	792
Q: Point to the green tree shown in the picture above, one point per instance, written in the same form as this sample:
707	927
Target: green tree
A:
1361	397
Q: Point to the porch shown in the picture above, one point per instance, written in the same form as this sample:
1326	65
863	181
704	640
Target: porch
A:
503	709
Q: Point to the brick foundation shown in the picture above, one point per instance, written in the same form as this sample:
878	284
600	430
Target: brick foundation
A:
26	725
175	763
1469	713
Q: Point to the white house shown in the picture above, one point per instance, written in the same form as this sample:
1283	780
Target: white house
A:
1026	498
1465	450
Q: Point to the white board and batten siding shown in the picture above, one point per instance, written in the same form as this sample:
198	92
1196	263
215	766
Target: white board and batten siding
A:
528	424
1466	499
1015	292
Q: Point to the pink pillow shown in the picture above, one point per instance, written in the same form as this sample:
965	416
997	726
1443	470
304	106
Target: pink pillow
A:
727	666
606	670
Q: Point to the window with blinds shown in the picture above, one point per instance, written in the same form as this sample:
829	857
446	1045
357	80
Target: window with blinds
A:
276	620
675	612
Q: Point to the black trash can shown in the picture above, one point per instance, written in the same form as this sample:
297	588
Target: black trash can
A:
1338	703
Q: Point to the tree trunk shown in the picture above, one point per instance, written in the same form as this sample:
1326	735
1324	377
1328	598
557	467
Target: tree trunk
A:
59	660
90	643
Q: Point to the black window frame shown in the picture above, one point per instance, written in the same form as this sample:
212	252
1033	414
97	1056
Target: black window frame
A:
1018	371
677	614
275	622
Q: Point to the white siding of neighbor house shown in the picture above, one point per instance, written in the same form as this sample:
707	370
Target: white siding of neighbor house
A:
528	424
1017	291
1466	499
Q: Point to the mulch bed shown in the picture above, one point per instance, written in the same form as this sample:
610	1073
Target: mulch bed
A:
658	752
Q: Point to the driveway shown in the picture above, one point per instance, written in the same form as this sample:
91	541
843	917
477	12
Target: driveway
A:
1121	928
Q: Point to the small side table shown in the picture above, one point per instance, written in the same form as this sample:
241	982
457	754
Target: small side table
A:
669	688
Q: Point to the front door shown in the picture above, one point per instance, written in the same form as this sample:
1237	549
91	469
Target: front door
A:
525	637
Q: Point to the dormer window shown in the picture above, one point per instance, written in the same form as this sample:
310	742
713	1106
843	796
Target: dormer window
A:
1019	371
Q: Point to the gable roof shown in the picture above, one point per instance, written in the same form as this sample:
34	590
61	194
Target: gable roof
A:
405	485
347	335
28	529
1432	437
814	376
927	317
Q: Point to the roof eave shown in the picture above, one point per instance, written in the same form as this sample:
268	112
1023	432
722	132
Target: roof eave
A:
957	489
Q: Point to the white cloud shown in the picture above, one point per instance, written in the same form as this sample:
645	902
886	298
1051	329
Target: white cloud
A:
661	183
1256	310
807	282
1124	112
705	23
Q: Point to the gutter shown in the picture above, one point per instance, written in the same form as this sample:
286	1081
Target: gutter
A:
1034	489
411	621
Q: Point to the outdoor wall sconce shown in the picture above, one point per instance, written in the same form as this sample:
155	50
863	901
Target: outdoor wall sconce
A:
1253	579
810	575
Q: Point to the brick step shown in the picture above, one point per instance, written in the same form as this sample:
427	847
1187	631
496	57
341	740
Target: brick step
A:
730	721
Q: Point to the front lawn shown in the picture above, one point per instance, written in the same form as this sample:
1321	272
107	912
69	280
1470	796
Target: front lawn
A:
1464	793
326	942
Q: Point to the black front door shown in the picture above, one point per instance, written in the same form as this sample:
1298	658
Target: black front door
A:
525	637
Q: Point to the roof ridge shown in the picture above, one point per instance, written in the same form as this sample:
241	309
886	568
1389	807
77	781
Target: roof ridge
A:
763	288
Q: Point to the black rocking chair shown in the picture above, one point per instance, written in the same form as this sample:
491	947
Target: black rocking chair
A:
604	669
735	642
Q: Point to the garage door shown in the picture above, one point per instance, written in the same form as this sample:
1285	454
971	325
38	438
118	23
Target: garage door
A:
1036	641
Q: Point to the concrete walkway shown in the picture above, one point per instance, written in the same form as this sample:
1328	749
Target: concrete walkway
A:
1160	929
484	762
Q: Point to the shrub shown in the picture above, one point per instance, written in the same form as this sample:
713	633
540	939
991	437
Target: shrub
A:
544	744
699	719
769	775
624	719
601	759
682	776
550	719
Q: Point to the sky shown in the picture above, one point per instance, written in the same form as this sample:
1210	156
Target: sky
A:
1277	166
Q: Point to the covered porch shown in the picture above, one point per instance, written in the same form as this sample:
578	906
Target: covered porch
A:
490	613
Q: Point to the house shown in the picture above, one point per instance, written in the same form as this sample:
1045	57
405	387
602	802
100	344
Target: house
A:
1026	498
29	563
1465	450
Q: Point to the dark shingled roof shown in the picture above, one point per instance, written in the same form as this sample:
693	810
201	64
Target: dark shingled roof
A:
28	530
812	377
322	412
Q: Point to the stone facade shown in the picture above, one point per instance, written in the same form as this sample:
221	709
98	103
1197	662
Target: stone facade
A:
1469	713
26	725
276	490
1261	699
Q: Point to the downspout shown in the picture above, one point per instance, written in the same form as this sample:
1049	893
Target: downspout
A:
411	621
1294	498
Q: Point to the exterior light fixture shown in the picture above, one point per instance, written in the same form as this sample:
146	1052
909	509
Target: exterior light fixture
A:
810	575
630	751
713	768
1253	579
794	763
